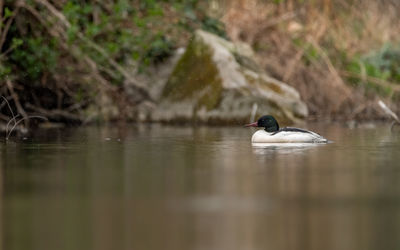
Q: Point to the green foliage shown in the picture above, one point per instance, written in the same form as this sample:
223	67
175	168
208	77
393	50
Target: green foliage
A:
368	70
34	56
77	12
5	67
158	50
16	42
5	70
7	13
142	34
383	64
214	26
127	32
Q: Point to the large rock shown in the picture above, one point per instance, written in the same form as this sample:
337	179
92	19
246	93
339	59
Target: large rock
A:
216	81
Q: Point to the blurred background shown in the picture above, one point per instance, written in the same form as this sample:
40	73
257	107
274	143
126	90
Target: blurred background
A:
146	185
88	61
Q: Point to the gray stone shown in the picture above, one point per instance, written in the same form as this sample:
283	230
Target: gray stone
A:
216	81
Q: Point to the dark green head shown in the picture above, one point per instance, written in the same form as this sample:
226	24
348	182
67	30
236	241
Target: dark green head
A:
267	121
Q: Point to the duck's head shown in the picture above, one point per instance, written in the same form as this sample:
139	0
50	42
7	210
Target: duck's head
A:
267	121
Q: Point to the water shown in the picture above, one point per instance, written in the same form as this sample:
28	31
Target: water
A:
163	187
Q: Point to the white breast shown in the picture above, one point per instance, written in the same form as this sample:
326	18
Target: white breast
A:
262	136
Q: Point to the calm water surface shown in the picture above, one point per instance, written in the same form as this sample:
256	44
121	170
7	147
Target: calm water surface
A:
163	187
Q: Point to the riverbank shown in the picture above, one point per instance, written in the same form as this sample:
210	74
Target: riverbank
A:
79	63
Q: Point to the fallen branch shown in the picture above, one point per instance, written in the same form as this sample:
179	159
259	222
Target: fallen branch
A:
390	113
14	119
22	119
55	113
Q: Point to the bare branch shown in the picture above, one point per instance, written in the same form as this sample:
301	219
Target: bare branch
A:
22	119
388	111
14	95
10	121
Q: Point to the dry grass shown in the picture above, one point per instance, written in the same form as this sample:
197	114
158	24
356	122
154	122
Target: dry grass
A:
303	45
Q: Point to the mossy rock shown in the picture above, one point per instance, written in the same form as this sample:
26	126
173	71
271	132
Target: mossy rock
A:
216	81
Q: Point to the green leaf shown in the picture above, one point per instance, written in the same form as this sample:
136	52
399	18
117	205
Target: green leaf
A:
140	22
15	43
71	33
92	30
7	13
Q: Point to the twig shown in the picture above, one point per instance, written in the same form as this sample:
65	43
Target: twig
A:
16	101
8	133
22	119
9	122
12	113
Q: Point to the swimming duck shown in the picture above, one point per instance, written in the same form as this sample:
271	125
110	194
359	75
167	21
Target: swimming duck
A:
273	134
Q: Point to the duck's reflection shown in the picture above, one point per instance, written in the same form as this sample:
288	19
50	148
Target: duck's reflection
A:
282	148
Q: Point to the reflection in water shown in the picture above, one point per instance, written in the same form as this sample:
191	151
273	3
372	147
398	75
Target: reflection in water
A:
156	187
283	148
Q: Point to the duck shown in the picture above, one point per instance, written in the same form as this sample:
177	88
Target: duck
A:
273	134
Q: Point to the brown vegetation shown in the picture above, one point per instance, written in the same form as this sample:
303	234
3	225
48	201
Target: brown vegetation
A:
304	44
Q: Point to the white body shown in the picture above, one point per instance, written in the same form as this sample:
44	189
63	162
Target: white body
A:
262	136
